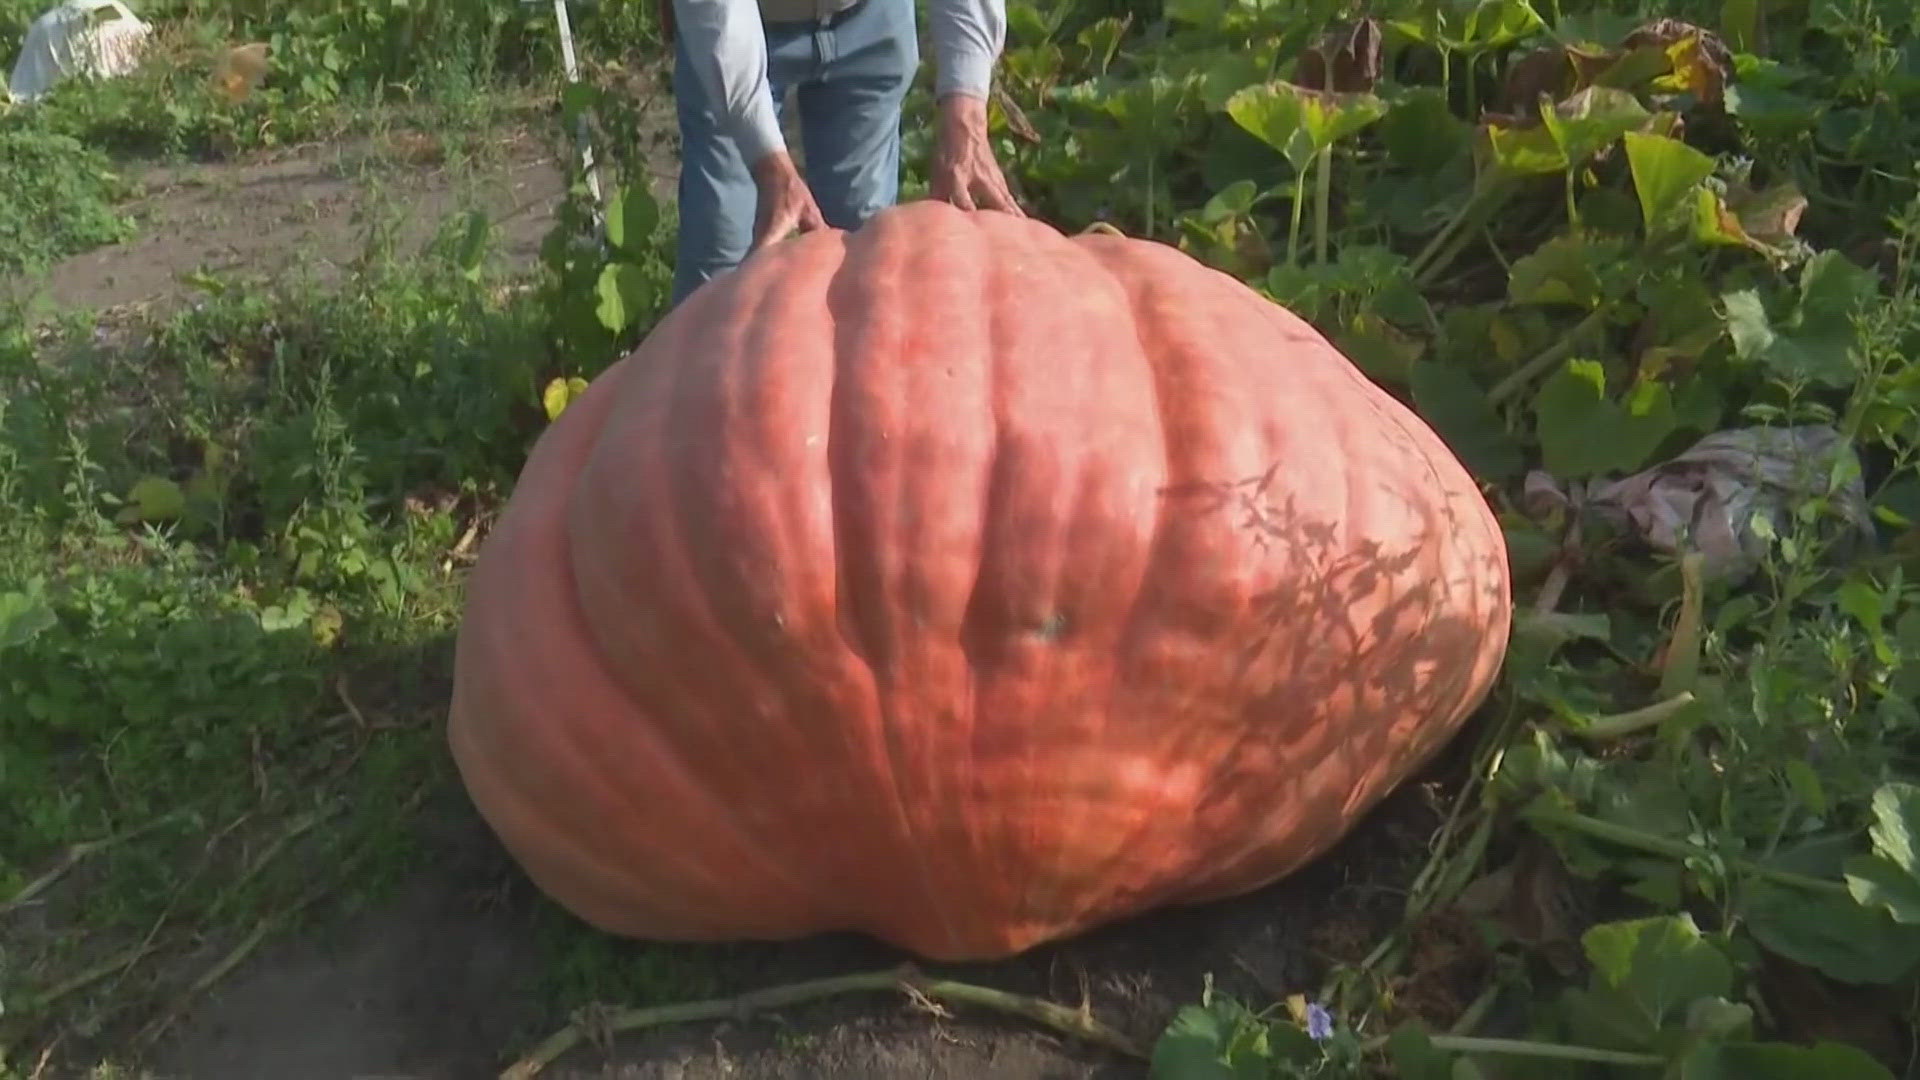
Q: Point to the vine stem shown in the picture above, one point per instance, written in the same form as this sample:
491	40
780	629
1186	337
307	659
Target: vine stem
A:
1077	1023
1518	379
1621	725
1672	849
1322	206
1471	1044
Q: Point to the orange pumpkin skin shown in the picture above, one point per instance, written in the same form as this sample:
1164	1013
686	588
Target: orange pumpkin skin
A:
967	585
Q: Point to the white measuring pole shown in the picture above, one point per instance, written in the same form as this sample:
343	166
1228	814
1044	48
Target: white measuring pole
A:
582	134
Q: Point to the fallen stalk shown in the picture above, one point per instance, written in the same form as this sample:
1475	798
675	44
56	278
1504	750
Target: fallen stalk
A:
79	853
1076	1023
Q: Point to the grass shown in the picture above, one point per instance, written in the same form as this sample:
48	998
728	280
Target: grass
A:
232	534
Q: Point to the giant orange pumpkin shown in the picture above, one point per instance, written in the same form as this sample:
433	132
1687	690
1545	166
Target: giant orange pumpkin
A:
968	585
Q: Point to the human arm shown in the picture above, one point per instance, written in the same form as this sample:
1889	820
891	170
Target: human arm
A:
968	36
726	48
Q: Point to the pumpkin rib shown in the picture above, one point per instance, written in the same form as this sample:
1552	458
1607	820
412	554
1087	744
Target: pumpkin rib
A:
506	791
1123	842
667	686
769	354
1168	355
649	683
865	328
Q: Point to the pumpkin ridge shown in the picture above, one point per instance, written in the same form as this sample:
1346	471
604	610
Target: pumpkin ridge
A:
660	449
1024	572
647	677
581	765
710	436
865	346
975	638
1115	256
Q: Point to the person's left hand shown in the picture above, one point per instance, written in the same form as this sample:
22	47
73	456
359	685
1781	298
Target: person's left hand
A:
965	172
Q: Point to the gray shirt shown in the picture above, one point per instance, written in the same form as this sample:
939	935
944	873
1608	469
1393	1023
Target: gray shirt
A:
729	51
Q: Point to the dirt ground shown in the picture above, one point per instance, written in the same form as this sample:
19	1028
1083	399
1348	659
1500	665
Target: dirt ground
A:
434	984
311	208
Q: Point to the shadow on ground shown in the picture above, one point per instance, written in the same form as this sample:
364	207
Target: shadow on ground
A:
445	978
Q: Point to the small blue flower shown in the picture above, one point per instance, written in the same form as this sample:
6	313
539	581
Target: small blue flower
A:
1319	1023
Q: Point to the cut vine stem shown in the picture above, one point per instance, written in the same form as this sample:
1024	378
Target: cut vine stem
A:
1469	1044
1075	1023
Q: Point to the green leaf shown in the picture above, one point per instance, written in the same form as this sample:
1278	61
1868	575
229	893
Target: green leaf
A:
472	250
1783	1061
1590	120
622	294
1815	342
1421	134
1834	934
1833	288
153	498
1458	410
1661	964
1665	173
1740	24
1889	879
1528	151
561	393
1217	1041
632	215
1414	1056
22	618
1564	270
1878	882
1299	122
1582	433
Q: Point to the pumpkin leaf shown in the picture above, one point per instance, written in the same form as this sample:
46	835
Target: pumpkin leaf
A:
1780	1061
622	294
1299	122
560	393
1583	433
632	215
1889	878
1815	340
1665	173
1458	409
23	617
1659	964
153	498
1836	935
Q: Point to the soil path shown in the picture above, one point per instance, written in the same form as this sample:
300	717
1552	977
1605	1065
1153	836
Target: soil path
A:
311	208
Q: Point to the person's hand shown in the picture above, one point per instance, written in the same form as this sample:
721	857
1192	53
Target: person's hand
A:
785	203
965	172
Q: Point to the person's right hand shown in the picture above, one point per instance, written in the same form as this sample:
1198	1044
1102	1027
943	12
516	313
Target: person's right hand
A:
785	205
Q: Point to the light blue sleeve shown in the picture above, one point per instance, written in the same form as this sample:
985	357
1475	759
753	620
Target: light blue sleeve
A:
967	38
728	48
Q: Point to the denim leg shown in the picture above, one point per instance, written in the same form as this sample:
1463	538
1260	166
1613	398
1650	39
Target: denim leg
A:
850	110
716	195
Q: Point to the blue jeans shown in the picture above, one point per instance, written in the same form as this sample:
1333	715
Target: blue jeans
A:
850	76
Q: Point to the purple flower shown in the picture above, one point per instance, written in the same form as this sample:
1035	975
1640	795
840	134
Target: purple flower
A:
1319	1022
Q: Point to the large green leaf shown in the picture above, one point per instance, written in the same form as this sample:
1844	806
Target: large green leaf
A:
1665	173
